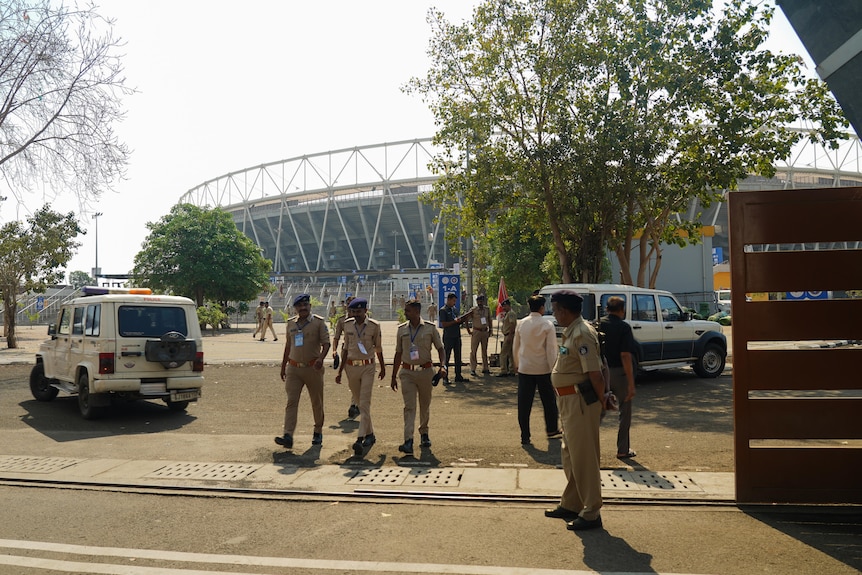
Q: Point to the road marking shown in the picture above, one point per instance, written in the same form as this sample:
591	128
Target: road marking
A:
209	558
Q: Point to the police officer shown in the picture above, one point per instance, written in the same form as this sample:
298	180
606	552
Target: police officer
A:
578	383
480	332
508	323
414	340
362	341
353	410
620	350
302	366
451	322
258	320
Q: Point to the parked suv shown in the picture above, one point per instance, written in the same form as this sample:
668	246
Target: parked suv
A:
665	335
121	344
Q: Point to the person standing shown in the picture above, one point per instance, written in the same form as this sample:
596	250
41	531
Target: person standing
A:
258	320
302	366
620	352
508	323
535	352
353	410
578	383
267	322
451	324
362	341
432	312
480	332
413	344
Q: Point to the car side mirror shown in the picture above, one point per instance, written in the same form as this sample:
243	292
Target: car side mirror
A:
686	316
52	329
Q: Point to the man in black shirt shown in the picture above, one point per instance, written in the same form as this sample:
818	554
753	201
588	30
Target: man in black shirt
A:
620	352
451	324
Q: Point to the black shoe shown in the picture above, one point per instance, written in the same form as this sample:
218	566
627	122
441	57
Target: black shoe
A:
352	411
286	441
317	438
425	441
276	339
460	379
473	374
561	513
581	524
486	371
406	447
369	440
358	448
502	375
263	339
526	441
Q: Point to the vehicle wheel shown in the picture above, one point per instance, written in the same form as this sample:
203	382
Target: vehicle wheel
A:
85	405
711	363
177	405
40	386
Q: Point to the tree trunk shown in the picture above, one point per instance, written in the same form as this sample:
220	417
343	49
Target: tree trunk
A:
10	305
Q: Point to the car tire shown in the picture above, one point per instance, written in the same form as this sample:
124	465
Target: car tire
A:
85	399
40	386
711	362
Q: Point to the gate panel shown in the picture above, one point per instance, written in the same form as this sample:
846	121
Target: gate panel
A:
797	412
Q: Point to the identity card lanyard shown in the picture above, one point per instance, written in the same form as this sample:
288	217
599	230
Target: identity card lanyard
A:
414	351
297	339
359	333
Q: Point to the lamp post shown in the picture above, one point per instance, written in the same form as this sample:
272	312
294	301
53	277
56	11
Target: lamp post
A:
398	259
395	250
96	270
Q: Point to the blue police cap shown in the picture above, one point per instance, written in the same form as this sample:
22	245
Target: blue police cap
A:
358	303
566	296
301	298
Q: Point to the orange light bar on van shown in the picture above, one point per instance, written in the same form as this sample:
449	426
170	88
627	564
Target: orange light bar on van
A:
95	290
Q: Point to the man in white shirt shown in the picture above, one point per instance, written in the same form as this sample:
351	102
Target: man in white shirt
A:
535	352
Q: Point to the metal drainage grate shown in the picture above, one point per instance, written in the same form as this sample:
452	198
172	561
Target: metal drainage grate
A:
25	464
437	477
382	476
618	481
648	481
213	471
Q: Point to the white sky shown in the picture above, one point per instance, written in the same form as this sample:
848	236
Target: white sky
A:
228	85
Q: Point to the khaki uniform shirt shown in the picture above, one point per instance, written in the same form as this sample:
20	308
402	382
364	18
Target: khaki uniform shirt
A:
423	337
478	315
579	355
509	323
339	326
314	337
368	334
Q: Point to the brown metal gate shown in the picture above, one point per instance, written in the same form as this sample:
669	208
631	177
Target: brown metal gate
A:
797	406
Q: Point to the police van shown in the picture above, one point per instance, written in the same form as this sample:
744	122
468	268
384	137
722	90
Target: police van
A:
665	335
116	343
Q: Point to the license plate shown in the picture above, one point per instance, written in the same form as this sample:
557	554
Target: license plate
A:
185	395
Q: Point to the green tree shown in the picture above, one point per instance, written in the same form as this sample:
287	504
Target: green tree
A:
32	257
605	118
61	84
79	279
200	253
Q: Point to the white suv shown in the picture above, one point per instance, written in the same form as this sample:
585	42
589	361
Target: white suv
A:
665	335
121	343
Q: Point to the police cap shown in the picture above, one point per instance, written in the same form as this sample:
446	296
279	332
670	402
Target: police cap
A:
358	303
451	294
301	298
568	299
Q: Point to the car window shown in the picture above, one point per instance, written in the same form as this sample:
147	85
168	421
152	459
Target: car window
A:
670	310
93	319
78	322
65	322
603	302
643	307
151	321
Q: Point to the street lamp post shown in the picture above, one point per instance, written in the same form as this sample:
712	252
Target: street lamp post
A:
96	270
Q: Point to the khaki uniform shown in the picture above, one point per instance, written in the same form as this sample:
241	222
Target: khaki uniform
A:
267	323
507	326
417	372
258	320
482	323
339	331
360	366
579	355
300	371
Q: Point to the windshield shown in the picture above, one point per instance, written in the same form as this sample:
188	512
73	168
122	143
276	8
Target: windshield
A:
151	321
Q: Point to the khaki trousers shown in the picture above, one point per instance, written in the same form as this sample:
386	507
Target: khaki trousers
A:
479	338
507	360
581	455
416	384
360	380
295	379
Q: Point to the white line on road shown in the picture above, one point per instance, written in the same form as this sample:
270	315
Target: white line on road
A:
209	558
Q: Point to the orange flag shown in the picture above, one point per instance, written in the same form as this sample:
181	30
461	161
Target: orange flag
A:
502	295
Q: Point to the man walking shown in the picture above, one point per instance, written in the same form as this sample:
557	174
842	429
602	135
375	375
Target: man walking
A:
508	323
620	351
362	341
535	352
451	324
259	318
578	383
302	366
353	410
267	323
480	332
414	341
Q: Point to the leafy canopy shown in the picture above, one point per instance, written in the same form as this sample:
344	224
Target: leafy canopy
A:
199	253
